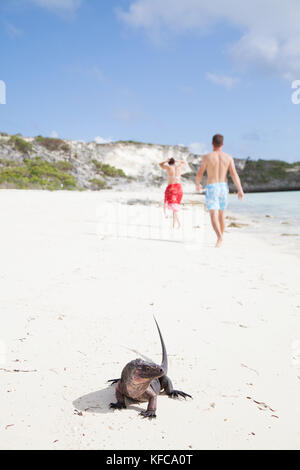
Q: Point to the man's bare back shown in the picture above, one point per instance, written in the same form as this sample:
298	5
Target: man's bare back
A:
217	166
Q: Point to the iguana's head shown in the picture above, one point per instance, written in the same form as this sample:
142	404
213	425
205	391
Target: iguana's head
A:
142	371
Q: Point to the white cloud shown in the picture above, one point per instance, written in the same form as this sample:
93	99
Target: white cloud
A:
222	80
12	30
63	5
54	134
101	140
198	148
269	29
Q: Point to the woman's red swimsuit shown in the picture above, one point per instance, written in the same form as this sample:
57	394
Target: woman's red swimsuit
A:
173	196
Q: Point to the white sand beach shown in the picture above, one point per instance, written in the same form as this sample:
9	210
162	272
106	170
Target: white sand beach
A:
78	295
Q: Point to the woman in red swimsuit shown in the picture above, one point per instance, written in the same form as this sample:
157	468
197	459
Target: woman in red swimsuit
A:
173	193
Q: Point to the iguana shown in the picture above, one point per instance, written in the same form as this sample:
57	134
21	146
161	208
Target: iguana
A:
142	381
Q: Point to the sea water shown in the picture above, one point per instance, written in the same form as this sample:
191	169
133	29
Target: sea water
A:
275	215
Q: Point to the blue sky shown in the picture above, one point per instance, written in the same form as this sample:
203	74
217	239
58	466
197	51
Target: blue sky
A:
167	71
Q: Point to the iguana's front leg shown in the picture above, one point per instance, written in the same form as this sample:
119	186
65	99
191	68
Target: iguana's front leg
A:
120	400
152	404
167	386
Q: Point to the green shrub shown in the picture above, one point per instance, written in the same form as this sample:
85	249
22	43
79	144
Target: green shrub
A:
97	164
20	144
263	171
36	173
53	144
97	184
133	142
5	162
63	165
108	170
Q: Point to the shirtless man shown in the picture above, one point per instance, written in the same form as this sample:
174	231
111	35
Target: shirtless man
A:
173	193
217	164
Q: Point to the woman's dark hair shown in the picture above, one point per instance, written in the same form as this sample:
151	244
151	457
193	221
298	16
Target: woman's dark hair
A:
171	161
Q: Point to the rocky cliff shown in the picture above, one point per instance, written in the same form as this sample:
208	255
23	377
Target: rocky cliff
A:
60	164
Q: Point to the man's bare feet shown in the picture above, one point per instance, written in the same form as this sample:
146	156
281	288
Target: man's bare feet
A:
219	242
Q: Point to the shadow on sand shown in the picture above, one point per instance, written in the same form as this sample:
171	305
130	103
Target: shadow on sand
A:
98	402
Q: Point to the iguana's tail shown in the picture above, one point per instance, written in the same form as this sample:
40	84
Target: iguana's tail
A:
164	363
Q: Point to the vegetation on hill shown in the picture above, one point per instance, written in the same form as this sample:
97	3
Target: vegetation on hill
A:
107	170
20	144
20	168
53	144
35	173
265	171
136	142
262	175
133	142
98	184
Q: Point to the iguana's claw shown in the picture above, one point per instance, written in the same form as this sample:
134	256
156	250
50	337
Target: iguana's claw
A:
117	406
148	414
113	381
178	393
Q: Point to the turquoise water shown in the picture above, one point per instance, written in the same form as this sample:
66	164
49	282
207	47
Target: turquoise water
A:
283	206
273	215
